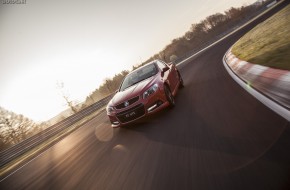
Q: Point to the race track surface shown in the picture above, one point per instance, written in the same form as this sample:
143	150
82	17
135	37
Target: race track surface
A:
217	137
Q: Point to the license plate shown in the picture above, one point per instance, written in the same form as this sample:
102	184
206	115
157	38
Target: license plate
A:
130	114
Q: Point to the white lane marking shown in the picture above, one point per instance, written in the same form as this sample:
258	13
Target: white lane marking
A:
266	101
226	36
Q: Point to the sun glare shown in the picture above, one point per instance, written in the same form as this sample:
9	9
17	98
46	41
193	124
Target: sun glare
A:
34	91
79	48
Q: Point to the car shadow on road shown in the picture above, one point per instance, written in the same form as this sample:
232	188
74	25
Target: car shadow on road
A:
247	146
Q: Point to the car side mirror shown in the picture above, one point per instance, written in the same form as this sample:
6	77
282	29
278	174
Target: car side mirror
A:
165	69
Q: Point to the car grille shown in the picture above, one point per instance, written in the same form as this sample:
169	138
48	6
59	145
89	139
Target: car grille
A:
131	101
131	114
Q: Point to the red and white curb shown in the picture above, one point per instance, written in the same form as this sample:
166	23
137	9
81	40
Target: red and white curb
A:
268	85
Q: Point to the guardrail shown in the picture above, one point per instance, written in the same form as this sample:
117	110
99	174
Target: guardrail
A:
17	150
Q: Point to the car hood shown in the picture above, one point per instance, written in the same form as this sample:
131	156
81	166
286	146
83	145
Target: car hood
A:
133	91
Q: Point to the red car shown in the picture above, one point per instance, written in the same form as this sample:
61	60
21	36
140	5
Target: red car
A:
145	90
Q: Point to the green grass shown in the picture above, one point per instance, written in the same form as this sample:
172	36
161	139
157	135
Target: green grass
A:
268	43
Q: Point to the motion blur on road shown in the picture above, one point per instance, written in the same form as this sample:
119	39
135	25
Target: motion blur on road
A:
217	137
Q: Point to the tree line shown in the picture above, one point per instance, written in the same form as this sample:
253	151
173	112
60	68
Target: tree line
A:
15	128
199	35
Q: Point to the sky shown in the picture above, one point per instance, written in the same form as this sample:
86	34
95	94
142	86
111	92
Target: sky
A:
80	43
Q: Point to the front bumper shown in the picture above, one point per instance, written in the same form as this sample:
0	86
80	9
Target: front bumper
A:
139	109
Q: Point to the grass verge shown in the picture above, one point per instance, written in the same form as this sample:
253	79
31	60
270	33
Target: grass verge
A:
268	43
46	144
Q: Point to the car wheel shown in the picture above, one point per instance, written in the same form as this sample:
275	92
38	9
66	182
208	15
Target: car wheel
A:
169	96
181	84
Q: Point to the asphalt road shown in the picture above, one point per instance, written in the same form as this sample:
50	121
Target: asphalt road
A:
217	137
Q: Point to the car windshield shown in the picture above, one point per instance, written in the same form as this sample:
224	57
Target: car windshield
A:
139	75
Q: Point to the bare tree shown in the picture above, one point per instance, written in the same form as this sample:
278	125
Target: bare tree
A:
65	95
199	35
215	20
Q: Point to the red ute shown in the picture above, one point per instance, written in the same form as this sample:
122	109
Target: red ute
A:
145	90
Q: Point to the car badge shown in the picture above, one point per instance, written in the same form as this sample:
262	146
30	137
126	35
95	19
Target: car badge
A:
126	104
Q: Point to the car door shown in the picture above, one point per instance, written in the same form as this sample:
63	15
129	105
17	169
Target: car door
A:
173	76
169	75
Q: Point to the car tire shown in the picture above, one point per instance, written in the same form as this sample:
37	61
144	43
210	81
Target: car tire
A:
181	83
169	96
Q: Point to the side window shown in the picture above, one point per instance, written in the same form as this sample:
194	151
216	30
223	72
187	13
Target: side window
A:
161	65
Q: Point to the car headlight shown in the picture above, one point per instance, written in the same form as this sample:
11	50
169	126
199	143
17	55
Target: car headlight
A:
150	91
110	109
